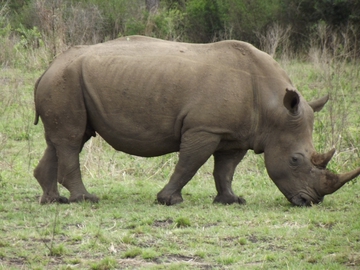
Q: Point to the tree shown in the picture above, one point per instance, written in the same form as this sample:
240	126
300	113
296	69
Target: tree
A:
152	5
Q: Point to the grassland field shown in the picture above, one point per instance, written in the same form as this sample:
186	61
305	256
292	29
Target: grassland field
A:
128	230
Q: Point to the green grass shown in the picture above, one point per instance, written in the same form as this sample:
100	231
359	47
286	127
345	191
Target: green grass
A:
128	230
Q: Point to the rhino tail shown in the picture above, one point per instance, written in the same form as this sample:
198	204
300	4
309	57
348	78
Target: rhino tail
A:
36	121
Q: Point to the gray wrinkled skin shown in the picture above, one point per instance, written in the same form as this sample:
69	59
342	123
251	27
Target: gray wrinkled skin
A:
149	97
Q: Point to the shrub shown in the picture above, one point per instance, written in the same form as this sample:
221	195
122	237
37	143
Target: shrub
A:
245	18
203	20
167	24
6	41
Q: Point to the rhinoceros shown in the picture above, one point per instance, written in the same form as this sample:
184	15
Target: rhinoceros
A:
149	97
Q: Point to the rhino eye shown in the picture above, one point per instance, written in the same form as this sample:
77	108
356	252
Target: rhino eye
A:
296	159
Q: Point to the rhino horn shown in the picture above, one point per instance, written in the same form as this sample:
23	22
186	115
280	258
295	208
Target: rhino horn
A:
321	160
318	104
332	182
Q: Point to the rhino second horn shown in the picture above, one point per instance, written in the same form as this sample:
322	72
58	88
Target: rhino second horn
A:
321	160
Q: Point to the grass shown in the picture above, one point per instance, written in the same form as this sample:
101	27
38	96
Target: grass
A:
128	230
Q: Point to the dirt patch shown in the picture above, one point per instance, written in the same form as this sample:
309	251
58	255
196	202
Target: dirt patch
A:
163	223
191	261
196	262
354	261
253	238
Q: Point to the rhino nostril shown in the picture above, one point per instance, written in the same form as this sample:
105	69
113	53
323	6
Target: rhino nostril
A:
305	201
301	201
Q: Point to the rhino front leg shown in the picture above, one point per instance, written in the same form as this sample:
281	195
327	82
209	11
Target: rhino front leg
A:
224	168
195	150
46	174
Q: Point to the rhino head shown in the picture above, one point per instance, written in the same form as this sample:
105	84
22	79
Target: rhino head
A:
291	160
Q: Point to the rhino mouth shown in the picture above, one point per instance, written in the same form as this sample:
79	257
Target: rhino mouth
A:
303	199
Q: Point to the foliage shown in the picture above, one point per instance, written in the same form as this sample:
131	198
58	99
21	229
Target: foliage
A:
29	38
247	17
305	15
19	46
332	12
167	24
63	23
6	51
205	17
117	15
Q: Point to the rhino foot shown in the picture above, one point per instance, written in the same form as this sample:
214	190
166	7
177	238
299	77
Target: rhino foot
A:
229	199
84	197
45	199
169	199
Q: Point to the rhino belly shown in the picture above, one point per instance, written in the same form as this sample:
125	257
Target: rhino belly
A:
133	127
142	146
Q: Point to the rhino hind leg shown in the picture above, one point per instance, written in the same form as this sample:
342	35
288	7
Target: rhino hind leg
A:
195	150
46	175
69	174
224	168
60	164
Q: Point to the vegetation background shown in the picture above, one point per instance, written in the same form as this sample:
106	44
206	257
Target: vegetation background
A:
317	43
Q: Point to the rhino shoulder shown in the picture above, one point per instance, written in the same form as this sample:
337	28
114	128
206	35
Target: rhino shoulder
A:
243	47
135	39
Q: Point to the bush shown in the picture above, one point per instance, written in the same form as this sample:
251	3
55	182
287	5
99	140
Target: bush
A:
203	20
167	24
64	23
54	25
6	43
117	14
305	15
245	18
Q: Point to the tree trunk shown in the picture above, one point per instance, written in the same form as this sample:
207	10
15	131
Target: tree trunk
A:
152	5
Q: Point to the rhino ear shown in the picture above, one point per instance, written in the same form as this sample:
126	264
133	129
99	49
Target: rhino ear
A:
291	101
318	104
